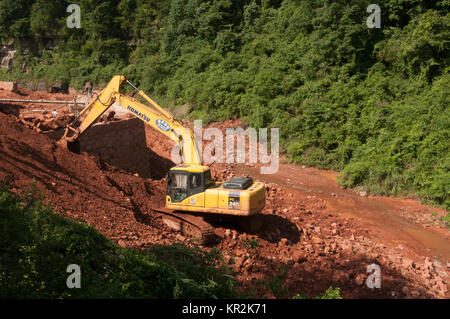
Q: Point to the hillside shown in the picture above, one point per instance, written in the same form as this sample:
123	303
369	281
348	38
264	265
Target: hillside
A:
370	103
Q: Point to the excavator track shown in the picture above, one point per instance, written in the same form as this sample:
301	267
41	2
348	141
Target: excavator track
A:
188	225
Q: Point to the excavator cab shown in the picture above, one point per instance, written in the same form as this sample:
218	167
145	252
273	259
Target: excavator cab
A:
190	188
187	180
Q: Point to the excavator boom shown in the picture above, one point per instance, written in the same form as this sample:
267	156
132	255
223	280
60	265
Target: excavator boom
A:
153	115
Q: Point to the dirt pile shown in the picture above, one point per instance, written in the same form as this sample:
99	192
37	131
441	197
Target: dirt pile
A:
118	204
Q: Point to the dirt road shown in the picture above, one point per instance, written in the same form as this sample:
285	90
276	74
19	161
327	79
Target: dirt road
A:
399	221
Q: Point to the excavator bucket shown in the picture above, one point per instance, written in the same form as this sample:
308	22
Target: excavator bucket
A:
70	142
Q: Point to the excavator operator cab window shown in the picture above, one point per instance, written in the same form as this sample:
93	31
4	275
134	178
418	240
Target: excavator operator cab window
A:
182	184
196	180
178	181
178	186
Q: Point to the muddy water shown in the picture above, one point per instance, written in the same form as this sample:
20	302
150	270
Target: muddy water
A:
380	213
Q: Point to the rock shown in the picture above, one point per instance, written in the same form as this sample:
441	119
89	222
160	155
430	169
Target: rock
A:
227	232
426	274
58	87
269	295
289	261
415	293
8	86
180	237
309	248
359	280
363	194
40	85
440	286
428	264
317	229
298	256
239	261
308	268
405	290
285	210
240	252
407	263
284	241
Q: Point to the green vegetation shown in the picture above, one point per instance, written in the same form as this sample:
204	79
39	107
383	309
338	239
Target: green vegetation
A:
275	284
330	293
445	220
371	103
36	246
250	243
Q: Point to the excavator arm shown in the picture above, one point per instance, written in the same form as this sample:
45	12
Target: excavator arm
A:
152	114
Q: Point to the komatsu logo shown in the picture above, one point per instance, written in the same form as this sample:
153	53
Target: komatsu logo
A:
138	114
163	125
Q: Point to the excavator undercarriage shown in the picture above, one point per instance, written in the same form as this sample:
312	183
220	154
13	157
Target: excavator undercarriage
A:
200	226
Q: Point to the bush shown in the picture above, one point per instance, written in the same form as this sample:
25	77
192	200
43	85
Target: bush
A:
330	293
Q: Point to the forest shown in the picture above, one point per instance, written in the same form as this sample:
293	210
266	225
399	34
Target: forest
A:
371	103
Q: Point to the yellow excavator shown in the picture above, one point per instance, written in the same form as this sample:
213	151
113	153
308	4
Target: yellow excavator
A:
190	194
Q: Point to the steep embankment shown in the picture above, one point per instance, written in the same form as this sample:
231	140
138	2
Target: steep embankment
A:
80	186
